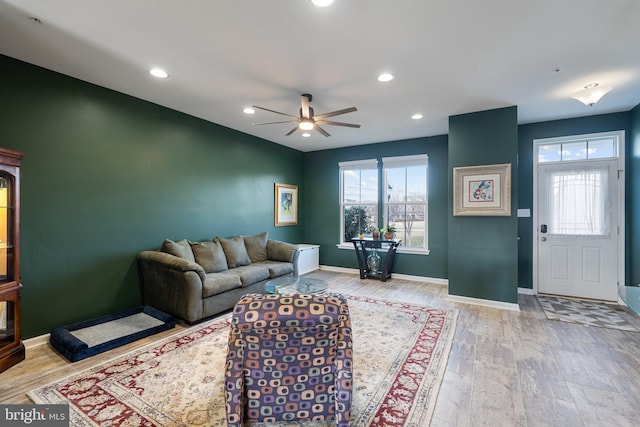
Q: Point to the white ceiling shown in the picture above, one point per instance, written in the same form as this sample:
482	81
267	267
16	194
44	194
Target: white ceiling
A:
448	56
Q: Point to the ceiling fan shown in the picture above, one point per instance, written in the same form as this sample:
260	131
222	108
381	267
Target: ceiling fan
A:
307	120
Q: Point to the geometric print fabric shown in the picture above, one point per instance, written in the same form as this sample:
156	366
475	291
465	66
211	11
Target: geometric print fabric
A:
289	358
590	313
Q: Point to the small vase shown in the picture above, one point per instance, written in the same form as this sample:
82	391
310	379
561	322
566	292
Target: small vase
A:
373	261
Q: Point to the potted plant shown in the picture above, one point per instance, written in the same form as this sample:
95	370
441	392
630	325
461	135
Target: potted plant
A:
389	232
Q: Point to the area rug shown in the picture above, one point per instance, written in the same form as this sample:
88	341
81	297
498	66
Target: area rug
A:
400	355
592	313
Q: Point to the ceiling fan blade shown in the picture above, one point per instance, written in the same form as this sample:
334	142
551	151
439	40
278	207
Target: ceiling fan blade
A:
329	122
273	111
273	123
304	100
336	113
322	131
292	131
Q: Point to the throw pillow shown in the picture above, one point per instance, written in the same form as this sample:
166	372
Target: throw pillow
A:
234	251
256	247
210	256
180	249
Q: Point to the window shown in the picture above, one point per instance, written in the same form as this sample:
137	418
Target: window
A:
604	147
358	198
400	201
576	180
578	202
405	199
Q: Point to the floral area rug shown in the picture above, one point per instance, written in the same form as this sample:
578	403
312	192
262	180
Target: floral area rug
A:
400	355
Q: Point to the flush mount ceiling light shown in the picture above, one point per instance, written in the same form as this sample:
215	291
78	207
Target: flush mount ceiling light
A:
322	3
248	110
306	134
417	116
385	77
159	73
591	94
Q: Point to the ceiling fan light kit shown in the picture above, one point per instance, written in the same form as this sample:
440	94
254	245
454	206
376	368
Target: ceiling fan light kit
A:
306	125
307	119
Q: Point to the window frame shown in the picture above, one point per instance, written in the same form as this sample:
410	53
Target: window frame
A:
405	162
577	139
357	165
380	205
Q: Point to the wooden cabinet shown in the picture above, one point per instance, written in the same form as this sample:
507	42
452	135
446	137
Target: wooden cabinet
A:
11	346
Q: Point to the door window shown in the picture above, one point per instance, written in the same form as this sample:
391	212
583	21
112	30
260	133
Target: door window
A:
579	202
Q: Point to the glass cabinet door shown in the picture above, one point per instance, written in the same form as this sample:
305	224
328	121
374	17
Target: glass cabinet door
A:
6	322
6	227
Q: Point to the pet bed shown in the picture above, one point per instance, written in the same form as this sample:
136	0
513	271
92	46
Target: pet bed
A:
84	339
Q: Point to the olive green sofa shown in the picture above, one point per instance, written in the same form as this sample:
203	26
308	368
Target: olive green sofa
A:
196	280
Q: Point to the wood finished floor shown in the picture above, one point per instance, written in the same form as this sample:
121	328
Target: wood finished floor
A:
506	368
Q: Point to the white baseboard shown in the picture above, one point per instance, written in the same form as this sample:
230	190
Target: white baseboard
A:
526	291
422	279
36	341
484	302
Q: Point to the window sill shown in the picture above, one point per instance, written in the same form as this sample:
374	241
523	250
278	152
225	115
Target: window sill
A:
401	249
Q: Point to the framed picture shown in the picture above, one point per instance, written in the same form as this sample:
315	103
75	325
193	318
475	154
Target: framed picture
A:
482	190
286	209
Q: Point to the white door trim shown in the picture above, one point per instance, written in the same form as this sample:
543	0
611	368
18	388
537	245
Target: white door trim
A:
621	200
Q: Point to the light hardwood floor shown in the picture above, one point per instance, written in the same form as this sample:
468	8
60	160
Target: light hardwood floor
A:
506	368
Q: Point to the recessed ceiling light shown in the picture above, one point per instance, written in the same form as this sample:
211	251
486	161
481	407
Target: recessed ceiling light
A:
322	3
159	73
385	77
306	134
248	110
417	116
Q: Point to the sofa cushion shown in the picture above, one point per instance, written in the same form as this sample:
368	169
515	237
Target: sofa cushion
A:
234	251
217	283
277	268
250	274
180	249
256	246
210	256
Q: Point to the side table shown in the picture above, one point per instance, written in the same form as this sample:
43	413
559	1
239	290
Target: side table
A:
364	248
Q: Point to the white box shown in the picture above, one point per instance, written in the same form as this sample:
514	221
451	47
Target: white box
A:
309	258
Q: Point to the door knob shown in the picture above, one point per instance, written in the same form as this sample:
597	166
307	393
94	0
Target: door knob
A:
544	239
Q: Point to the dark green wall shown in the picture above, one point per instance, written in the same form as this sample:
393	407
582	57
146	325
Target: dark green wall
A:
483	251
633	212
322	203
553	129
106	175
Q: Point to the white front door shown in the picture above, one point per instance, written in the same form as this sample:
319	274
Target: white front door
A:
577	229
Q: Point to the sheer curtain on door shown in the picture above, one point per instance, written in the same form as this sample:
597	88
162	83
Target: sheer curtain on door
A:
579	202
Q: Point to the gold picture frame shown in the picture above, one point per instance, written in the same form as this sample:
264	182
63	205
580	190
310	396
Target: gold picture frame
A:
482	190
286	205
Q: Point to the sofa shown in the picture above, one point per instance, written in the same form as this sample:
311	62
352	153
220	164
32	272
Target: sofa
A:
196	280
